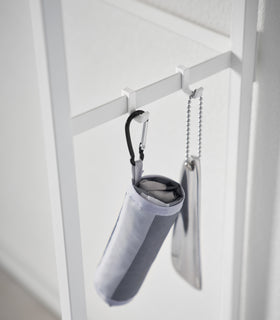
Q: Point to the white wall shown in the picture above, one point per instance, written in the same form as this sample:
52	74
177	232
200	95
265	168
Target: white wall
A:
26	245
212	14
106	51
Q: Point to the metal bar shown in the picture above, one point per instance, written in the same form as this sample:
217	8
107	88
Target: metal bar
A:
52	80
243	36
149	94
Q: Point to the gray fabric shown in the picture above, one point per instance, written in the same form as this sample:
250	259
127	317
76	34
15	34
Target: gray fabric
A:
137	171
152	185
160	188
141	264
135	241
128	235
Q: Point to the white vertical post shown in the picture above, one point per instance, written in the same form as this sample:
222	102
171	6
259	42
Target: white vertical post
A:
53	87
243	37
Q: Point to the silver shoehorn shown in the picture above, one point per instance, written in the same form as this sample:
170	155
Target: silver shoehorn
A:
186	239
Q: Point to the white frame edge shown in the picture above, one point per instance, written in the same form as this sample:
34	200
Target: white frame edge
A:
48	36
243	37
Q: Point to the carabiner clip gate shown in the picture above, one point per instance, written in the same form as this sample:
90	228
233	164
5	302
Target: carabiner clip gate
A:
143	117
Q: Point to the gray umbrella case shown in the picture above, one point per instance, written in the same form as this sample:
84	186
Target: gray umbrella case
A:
150	208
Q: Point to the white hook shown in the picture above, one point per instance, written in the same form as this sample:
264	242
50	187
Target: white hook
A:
185	76
132	105
131	99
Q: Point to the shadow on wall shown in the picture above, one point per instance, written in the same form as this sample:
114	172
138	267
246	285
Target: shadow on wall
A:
265	166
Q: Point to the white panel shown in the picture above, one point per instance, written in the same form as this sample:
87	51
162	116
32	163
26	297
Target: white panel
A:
192	31
103	173
212	14
107	50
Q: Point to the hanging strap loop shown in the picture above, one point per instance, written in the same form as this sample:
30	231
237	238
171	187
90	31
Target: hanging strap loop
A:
143	139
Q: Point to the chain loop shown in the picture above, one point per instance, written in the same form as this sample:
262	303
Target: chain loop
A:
188	125
200	126
188	130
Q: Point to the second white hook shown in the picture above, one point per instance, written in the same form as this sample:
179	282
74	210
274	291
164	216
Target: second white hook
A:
185	76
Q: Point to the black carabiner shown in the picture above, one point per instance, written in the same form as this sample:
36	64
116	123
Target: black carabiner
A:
128	137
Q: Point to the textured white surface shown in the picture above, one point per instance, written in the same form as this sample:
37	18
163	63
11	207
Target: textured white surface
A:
118	50
212	14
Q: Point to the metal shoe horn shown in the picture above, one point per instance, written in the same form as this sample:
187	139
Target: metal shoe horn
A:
186	239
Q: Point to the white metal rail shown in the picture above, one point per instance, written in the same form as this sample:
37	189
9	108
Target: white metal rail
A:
149	93
59	129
